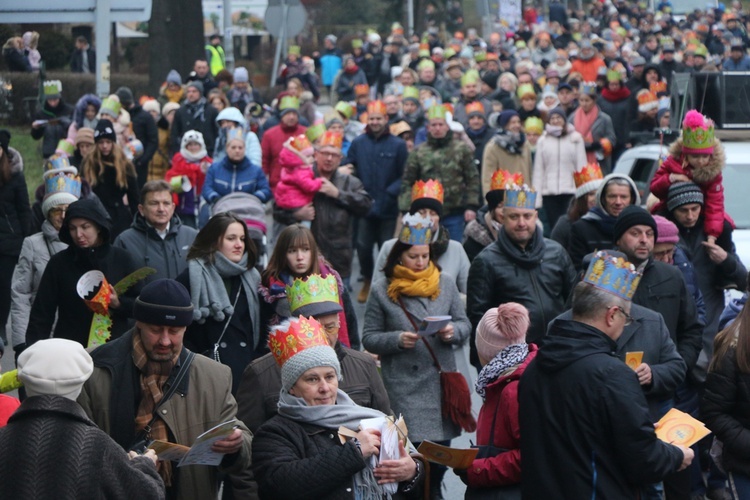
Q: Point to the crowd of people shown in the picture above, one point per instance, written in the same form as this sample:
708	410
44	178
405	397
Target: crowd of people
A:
473	180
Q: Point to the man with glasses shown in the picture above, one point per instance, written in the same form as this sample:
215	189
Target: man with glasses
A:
341	198
582	407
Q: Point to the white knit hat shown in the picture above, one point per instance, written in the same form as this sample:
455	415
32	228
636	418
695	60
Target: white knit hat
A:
55	367
152	105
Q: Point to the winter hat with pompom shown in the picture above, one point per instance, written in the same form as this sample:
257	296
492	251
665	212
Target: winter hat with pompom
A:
500	327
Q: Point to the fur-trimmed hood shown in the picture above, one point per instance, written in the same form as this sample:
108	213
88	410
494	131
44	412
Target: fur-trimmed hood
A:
82	104
16	161
710	171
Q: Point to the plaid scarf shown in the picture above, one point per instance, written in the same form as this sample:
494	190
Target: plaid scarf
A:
154	374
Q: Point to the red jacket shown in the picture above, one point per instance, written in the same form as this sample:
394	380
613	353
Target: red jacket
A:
505	468
193	171
271	146
709	179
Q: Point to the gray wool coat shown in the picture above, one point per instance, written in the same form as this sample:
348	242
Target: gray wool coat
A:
410	376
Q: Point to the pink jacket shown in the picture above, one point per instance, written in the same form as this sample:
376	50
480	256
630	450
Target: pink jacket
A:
298	184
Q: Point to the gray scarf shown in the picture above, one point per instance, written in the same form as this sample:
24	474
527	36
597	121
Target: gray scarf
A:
209	295
344	413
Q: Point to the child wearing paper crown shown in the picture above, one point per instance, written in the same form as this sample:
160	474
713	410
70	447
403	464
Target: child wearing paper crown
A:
696	157
189	164
298	184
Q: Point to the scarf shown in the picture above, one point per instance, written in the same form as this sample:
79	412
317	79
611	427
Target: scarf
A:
440	242
526	258
414	283
344	413
602	219
502	364
584	123
193	158
209	294
197	109
620	95
153	376
553	130
174	95
512	143
351	70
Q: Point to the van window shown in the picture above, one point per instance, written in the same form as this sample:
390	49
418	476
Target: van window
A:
642	172
736	202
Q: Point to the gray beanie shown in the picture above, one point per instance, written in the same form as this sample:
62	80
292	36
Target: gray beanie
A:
174	77
682	193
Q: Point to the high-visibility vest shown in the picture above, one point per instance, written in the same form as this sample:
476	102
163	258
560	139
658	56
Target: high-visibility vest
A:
217	62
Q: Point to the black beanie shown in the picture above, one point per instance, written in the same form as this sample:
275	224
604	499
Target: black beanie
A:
4	140
164	302
105	130
490	79
494	198
430	203
125	95
634	215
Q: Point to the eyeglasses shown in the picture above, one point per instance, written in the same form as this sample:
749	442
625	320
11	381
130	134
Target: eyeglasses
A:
628	317
58	210
332	327
328	154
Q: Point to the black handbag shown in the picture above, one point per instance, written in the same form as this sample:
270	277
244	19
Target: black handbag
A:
511	492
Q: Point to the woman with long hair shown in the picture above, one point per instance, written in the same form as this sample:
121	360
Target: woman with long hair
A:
112	177
413	289
223	284
296	255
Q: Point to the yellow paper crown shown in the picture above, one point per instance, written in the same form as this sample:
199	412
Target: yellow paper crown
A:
502	179
429	189
303	333
613	274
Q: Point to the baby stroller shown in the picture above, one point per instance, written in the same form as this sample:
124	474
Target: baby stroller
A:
250	209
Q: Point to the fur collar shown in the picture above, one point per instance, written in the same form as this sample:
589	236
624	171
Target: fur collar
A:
16	161
710	171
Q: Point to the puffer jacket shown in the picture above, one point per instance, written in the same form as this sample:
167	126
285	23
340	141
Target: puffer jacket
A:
15	212
167	255
555	161
225	177
540	278
449	161
36	251
709	178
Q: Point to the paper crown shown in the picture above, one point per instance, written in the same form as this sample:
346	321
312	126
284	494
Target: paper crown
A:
480	56
58	164
474	108
425	64
376	107
416	230
289	102
331	139
314	132
111	107
133	149
491	56
588	88
658	87
647	101
697	133
526	90
66	147
449	52
533	124
411	93
345	109
356	43
62	183
427	189
303	333
52	88
588	179
235	133
312	290
613	274
470	77
437	111
736	43
701	51
361	89
294	50
520	196
180	184
301	143
613	75
399	128
502	179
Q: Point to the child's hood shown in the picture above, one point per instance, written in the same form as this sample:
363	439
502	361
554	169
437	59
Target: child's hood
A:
710	171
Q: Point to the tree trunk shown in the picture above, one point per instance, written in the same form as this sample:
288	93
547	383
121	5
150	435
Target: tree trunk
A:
175	38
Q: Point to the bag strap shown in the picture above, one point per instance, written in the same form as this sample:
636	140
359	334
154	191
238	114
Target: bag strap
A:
172	389
409	316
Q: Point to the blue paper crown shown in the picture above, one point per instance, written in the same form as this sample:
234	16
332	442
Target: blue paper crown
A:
63	184
588	88
613	274
417	230
520	197
58	164
235	133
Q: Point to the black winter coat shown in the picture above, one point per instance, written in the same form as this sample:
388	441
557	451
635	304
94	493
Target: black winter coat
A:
203	120
725	409
540	278
144	128
111	196
58	120
15	212
50	449
295	461
583	407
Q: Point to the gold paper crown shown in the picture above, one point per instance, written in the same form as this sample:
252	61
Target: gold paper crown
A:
474	107
646	97
429	189
613	274
301	142
331	139
377	107
657	87
361	89
303	333
590	172
502	179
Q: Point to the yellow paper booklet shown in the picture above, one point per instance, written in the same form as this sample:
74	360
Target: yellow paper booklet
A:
677	427
634	359
455	458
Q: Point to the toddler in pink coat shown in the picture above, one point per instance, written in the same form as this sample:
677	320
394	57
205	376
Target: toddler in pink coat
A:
298	184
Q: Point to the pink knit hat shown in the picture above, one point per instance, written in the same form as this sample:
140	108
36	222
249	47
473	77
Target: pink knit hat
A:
500	327
666	230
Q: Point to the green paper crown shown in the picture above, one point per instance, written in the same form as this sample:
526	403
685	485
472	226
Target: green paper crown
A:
613	75
470	77
312	290
436	111
315	131
345	109
110	105
411	93
699	139
289	102
52	88
356	43
294	50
